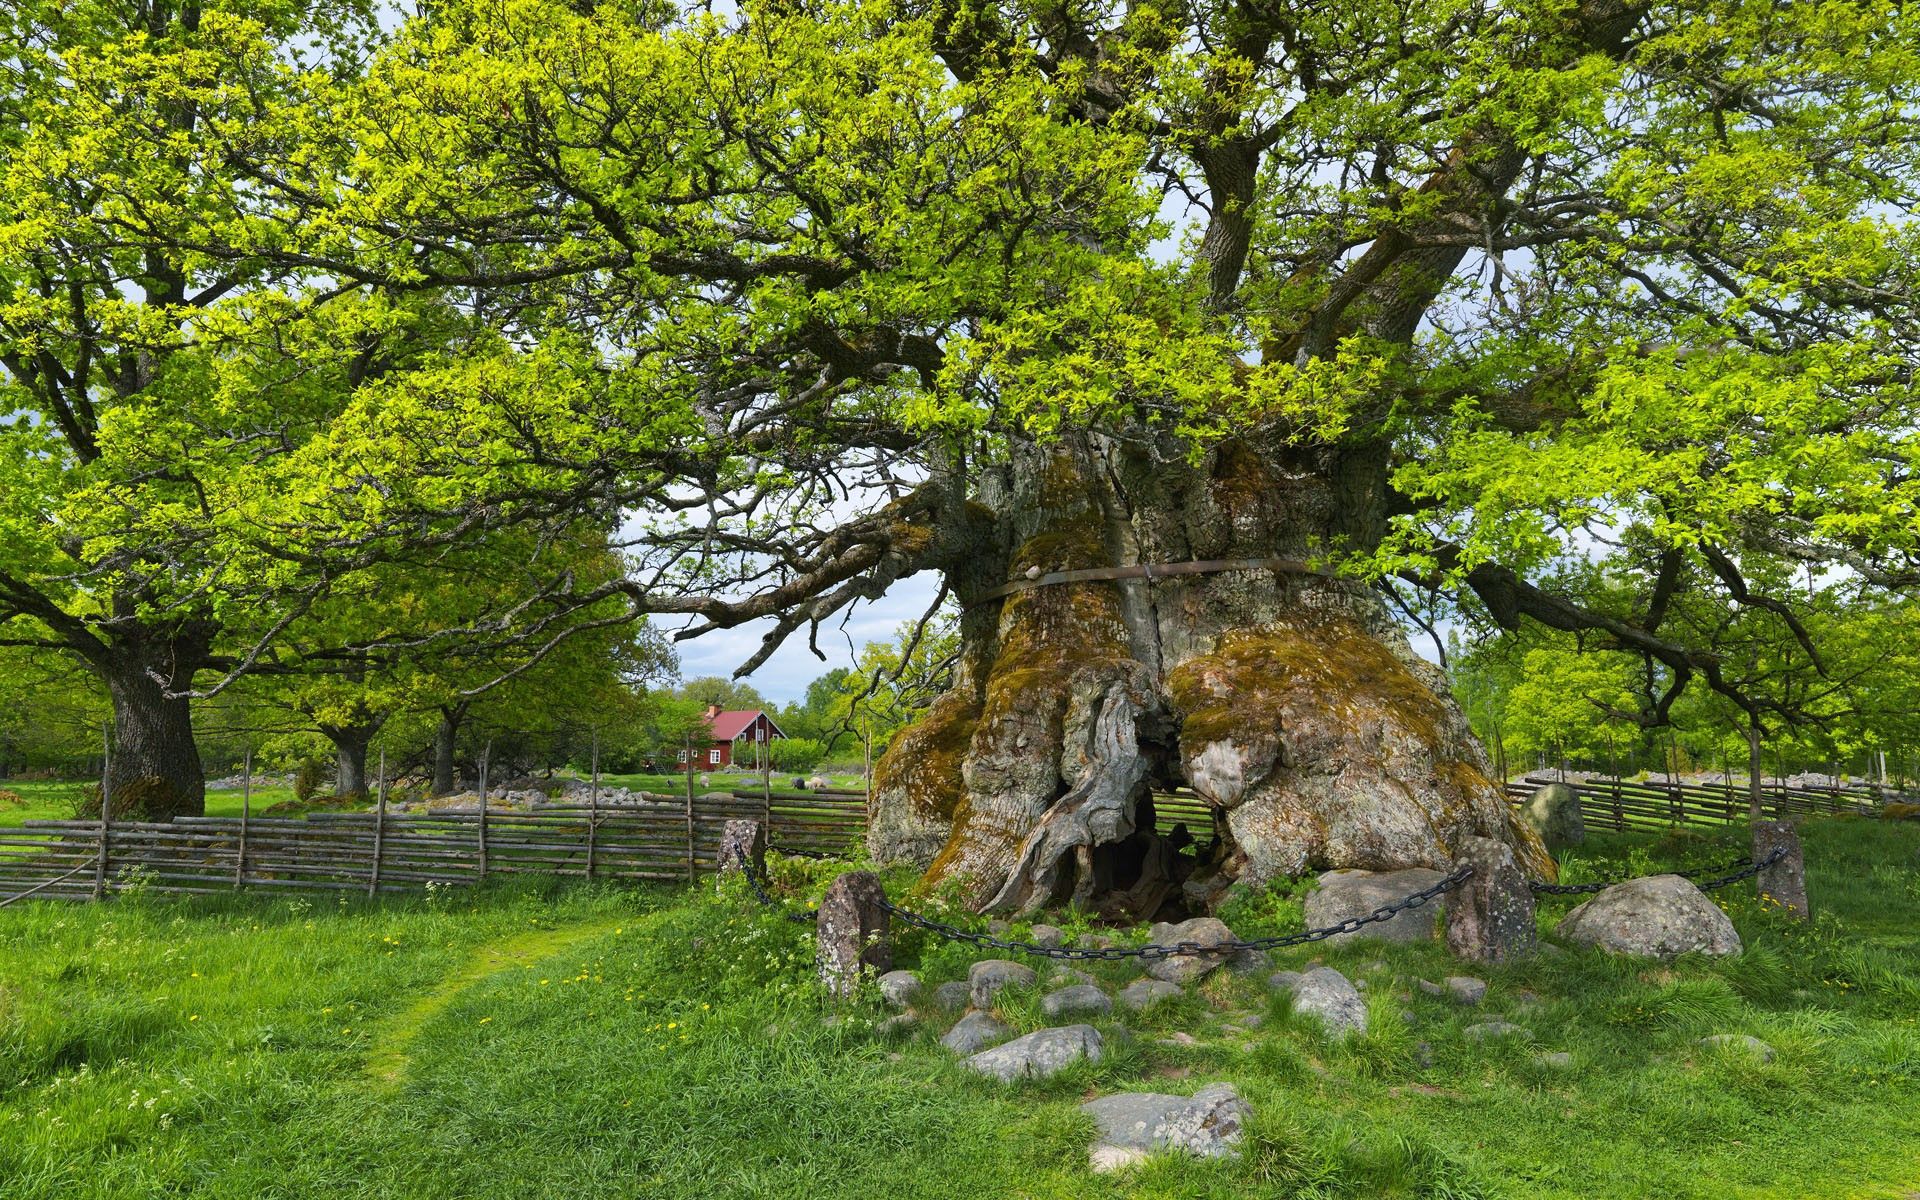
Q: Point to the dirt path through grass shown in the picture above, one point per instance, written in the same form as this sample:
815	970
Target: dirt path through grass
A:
387	1059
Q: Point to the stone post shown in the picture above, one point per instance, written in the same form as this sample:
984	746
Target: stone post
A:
1786	880
738	838
852	931
1490	916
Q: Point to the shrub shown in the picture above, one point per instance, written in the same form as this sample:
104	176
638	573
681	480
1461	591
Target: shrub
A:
307	781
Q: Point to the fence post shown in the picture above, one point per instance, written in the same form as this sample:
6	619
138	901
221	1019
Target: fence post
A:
246	816
766	782
851	932
689	810
1490	915
106	811
593	803
379	824
485	756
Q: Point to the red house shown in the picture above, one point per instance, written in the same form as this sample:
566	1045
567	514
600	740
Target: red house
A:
734	736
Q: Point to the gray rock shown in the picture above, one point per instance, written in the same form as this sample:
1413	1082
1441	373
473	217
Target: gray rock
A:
1135	1124
1093	941
953	994
850	933
1062	976
986	978
900	988
1185	968
1039	1054
1179	1038
1430	987
999	927
1739	1041
1423	1055
1050	936
1080	998
1145	993
1326	994
1659	916
1784	882
1284	981
1345	894
1553	812
1494	1029
897	1025
973	1032
1557	1059
1489	917
1250	962
1466	989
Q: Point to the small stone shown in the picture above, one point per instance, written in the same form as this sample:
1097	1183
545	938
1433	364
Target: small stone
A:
1080	998
1134	1124
900	988
1050	936
973	1032
1284	981
1359	985
1326	994
1466	989
1343	895
1423	1055
985	979
1179	1038
998	927
1657	916
1040	1054
899	1023
1430	987
1145	993
1062	976
1093	941
1185	968
1527	998
1494	1029
1250	962
1740	1041
953	994
1557	1059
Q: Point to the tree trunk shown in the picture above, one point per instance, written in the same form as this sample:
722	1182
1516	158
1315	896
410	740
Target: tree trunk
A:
351	743
155	773
445	736
1754	790
1288	701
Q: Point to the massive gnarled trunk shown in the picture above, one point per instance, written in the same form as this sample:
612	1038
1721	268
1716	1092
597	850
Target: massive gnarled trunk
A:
155	772
1288	700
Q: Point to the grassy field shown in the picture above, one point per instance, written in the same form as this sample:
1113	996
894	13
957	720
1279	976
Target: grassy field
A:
589	1041
59	799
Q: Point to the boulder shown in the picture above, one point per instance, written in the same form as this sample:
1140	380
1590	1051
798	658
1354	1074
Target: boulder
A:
1345	894
1489	916
1039	1054
1553	812
1326	994
1080	998
1145	993
954	993
1784	880
1134	1124
900	988
1659	916
1284	981
851	932
987	977
1250	962
1741	1042
1185	968
973	1032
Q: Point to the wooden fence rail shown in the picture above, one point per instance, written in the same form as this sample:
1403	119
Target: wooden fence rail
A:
667	840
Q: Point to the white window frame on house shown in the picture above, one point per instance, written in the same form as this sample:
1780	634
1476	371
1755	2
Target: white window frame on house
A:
713	757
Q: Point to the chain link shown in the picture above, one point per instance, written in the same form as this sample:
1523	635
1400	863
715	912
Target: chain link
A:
1152	953
1742	867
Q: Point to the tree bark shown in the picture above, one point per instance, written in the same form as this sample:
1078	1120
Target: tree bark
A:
155	773
445	738
1289	701
351	743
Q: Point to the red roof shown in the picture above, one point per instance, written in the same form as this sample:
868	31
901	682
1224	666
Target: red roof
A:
732	724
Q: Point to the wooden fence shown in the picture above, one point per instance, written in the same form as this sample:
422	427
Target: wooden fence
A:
664	840
669	840
1625	804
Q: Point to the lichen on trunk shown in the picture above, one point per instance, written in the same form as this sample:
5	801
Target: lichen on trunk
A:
1289	701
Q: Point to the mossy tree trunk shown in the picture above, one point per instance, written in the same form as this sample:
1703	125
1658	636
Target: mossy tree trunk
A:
1289	701
155	773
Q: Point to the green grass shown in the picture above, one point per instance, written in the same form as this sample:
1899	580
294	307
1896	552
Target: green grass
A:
59	799
589	1041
